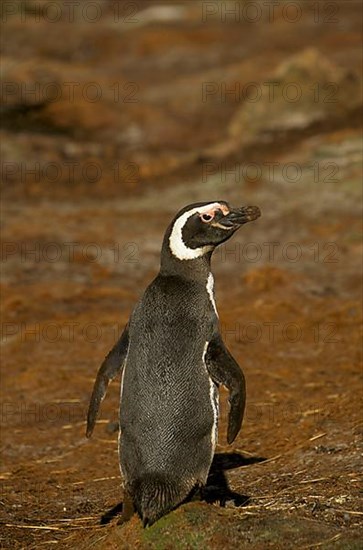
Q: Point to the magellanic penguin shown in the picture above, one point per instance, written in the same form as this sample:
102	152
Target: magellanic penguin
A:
172	359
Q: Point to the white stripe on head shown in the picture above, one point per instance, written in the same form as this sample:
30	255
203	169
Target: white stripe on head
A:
176	242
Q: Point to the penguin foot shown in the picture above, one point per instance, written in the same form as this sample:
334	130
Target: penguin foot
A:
110	514
213	494
128	509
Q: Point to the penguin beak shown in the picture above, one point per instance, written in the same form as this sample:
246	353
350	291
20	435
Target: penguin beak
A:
239	216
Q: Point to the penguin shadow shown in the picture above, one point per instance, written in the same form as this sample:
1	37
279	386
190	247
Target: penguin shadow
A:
216	488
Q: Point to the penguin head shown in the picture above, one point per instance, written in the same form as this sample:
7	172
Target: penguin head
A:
198	228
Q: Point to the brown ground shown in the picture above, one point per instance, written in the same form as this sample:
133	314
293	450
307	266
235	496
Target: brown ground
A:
293	324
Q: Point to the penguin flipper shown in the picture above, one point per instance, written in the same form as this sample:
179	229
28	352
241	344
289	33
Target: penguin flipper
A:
111	366
223	369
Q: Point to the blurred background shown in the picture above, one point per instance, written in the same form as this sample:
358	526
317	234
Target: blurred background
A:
116	114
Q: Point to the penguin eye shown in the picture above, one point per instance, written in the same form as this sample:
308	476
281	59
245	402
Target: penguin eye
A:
207	218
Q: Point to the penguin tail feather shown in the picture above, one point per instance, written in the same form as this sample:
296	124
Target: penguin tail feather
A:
155	495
